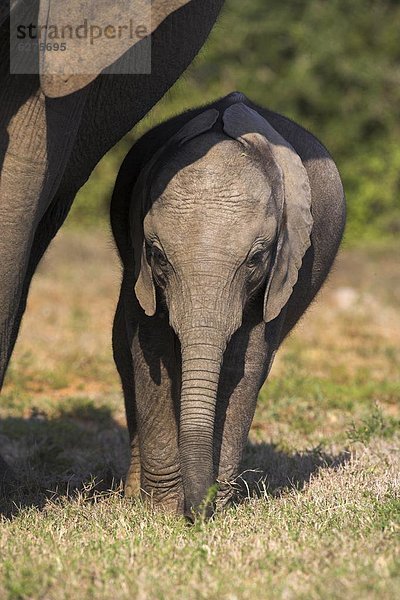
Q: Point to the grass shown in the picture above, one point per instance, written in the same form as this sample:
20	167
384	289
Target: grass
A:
318	504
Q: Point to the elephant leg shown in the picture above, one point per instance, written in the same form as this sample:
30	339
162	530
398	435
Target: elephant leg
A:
248	360
246	364
156	382
124	364
38	134
45	232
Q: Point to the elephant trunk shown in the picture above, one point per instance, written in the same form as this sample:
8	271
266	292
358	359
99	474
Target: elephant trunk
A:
202	353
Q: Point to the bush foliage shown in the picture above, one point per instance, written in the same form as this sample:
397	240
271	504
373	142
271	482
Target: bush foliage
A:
332	66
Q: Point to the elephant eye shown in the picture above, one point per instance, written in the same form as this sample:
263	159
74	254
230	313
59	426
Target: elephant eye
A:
158	257
256	258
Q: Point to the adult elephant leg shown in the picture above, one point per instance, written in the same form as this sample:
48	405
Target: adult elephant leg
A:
40	134
157	383
46	230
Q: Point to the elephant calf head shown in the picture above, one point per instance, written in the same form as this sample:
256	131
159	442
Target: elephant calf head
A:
225	217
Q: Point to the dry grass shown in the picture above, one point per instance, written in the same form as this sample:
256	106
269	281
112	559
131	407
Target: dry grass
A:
320	515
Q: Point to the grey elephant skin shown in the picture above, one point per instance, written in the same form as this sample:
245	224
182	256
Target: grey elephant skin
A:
55	128
227	220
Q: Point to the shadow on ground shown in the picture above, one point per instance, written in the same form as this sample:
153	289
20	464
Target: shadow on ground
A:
82	448
86	450
269	470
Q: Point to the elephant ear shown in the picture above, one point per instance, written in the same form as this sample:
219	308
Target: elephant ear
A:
144	287
295	219
102	31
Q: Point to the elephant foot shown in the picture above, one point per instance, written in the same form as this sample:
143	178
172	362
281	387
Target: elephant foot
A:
163	490
132	482
228	489
225	496
170	504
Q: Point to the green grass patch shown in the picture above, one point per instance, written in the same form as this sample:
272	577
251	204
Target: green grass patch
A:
374	425
305	403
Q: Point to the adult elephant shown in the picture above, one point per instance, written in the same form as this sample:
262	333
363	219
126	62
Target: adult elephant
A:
57	123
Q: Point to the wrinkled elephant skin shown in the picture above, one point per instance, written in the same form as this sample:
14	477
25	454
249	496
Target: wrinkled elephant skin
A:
227	220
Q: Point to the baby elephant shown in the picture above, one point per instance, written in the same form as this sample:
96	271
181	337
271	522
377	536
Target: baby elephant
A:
227	220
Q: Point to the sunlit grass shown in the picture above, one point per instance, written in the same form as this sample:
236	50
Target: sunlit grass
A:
317	512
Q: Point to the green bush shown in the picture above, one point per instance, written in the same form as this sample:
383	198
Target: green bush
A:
332	66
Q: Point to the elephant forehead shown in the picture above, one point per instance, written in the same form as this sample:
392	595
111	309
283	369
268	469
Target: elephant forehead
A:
211	167
209	226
